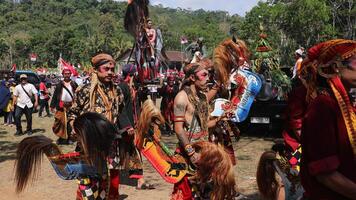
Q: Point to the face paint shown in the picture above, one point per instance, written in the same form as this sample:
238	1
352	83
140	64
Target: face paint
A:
106	72
202	79
202	75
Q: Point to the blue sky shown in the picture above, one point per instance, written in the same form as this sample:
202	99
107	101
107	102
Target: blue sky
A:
232	6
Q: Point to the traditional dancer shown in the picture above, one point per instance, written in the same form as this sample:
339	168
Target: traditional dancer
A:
168	93
129	156
103	97
191	121
151	34
295	112
213	177
329	128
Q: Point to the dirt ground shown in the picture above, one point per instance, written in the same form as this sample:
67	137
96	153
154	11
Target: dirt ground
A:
49	186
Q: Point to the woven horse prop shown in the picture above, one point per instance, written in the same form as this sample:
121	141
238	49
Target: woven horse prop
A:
96	136
214	166
135	23
172	167
231	64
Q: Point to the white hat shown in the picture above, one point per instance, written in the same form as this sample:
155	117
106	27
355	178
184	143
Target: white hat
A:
299	52
23	76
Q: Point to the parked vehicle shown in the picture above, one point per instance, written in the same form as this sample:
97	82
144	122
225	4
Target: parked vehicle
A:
267	113
32	77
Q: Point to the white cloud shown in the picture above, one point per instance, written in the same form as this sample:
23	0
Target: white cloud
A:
232	6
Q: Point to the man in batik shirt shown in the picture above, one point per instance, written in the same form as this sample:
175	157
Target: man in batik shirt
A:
102	96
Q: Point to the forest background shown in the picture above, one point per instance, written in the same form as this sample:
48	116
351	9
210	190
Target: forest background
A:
78	29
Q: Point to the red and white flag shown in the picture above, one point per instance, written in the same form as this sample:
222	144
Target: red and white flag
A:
183	40
62	64
33	57
13	68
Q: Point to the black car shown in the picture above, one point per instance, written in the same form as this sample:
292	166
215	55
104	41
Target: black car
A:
32	77
266	118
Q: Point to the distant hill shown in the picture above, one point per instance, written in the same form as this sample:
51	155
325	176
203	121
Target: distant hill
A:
79	29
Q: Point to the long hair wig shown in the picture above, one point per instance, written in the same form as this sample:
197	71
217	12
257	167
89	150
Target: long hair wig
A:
266	175
94	132
215	166
229	55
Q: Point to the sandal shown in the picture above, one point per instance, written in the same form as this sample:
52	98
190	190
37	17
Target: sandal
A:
146	186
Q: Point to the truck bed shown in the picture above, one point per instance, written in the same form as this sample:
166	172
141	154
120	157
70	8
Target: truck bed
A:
265	119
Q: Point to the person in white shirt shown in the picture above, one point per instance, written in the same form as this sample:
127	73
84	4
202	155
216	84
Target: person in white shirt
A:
62	100
23	94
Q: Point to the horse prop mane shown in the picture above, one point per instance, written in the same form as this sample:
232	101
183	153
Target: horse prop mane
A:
214	167
68	166
231	65
96	136
136	16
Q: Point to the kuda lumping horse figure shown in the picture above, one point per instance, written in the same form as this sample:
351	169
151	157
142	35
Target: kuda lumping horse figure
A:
96	136
232	70
231	65
214	167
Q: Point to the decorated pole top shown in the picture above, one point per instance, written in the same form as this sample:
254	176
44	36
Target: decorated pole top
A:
263	48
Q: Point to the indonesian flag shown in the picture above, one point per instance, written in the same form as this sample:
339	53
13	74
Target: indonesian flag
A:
41	71
33	57
183	40
13	68
65	65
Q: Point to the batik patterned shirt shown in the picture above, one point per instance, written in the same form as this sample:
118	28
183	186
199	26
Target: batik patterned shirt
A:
91	188
82	102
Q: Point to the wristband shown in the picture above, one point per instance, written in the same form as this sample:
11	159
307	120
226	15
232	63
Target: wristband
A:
189	149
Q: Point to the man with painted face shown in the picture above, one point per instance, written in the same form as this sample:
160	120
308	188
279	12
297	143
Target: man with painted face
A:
102	96
191	117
